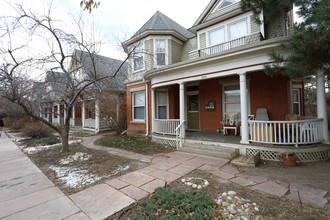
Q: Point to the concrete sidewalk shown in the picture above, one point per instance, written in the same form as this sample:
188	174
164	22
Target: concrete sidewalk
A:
25	192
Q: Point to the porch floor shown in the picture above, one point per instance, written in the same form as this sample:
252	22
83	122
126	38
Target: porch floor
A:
212	136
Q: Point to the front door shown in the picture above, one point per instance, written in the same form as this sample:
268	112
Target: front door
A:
193	112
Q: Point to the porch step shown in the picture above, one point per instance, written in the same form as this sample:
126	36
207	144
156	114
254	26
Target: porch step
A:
247	161
210	150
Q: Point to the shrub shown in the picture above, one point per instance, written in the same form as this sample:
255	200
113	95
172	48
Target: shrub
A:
20	124
36	130
165	204
42	141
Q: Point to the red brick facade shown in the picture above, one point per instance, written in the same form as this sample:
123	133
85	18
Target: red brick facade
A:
267	92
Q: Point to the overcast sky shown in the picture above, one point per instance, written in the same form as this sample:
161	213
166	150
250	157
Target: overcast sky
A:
114	20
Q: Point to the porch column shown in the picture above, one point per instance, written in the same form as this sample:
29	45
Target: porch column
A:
83	114
182	106
97	117
152	109
73	115
147	110
244	109
53	113
322	105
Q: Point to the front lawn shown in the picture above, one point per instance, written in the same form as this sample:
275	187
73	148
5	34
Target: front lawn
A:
134	144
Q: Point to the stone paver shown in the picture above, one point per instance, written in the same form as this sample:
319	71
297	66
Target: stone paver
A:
222	174
164	175
147	169
164	163
27	201
257	179
241	181
136	178
272	188
151	186
134	192
180	156
101	201
182	169
116	183
230	169
54	209
308	195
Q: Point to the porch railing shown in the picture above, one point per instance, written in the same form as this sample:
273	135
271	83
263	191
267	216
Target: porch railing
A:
222	47
286	132
165	126
179	134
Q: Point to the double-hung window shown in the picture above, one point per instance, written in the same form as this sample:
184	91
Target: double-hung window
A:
138	58
160	46
138	106
162	104
232	99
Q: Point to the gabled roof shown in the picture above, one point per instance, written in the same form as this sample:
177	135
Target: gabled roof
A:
160	23
104	66
55	85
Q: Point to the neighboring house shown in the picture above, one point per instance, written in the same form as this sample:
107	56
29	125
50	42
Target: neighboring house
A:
183	80
89	111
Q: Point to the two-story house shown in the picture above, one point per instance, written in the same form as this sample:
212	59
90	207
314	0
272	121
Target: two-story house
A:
100	105
184	83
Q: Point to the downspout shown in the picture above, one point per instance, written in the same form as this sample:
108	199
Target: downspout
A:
147	108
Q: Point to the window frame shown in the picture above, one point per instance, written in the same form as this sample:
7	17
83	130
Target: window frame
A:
162	105
138	106
155	51
213	30
235	22
89	114
138	53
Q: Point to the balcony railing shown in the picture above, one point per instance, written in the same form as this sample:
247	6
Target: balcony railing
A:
165	126
222	47
286	132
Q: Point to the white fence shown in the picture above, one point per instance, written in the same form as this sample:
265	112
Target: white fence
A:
165	126
286	132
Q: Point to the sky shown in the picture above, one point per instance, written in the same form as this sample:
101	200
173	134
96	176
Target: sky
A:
114	21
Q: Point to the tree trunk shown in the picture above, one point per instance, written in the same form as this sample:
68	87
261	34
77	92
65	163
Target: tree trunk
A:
66	129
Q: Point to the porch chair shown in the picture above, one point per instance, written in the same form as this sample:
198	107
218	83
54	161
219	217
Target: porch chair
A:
266	130
230	122
262	115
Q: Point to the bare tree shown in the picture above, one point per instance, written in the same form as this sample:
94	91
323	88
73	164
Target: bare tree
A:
15	83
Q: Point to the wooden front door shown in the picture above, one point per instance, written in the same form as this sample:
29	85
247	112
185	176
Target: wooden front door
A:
193	112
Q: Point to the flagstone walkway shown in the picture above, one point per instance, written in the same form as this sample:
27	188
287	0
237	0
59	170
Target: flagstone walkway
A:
28	193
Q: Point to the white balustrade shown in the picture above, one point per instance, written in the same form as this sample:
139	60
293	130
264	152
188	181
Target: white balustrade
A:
286	132
165	126
179	134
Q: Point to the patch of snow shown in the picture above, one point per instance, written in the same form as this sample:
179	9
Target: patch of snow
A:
77	177
79	156
33	150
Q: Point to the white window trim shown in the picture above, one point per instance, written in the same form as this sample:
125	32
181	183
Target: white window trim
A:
138	120
89	110
225	24
140	43
166	51
214	29
167	103
237	21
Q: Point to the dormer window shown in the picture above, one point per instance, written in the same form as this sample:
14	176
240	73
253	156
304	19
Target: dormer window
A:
160	50
224	4
138	58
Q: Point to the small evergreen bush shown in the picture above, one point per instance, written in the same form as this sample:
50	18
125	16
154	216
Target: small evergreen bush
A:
167	204
42	141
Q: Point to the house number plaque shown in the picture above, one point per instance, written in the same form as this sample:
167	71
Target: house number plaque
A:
210	105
